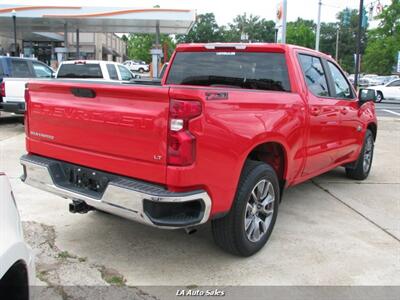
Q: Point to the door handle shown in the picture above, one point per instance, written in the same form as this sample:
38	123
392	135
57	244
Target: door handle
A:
83	92
315	111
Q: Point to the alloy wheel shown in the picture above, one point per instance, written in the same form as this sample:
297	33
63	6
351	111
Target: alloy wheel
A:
259	210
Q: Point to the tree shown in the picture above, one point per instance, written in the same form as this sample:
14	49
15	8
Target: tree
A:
139	45
301	32
257	30
348	28
205	30
384	41
327	41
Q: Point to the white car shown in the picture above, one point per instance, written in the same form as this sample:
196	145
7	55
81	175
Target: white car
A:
94	70
137	66
17	265
390	90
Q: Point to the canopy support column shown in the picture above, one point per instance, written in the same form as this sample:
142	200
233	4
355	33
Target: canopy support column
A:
78	54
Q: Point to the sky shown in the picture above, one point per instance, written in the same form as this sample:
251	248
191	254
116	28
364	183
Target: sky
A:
224	10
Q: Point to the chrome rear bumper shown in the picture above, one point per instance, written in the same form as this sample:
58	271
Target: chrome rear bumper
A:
129	198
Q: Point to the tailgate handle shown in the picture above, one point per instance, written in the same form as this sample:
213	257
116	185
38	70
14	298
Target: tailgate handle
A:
83	92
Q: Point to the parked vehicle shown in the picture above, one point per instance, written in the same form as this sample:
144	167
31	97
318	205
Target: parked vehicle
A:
369	81
94	70
14	73
17	266
390	90
137	66
227	129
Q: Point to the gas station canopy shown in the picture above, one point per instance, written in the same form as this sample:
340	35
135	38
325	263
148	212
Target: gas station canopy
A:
96	19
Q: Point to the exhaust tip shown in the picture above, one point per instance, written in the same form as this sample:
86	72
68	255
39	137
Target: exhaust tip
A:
190	230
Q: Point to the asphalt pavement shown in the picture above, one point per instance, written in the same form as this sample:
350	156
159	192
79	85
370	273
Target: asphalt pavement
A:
388	108
330	231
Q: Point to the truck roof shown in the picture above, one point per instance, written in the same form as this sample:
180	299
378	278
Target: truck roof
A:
268	47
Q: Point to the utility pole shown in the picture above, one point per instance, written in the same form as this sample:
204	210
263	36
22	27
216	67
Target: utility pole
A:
358	46
318	26
337	43
284	8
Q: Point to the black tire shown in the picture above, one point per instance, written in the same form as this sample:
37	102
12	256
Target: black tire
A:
379	96
141	70
358	170
229	231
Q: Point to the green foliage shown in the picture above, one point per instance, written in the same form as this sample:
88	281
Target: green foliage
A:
327	41
205	30
301	32
379	55
384	41
139	45
348	38
258	30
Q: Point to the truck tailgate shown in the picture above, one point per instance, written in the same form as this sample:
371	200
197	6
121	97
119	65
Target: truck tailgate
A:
113	127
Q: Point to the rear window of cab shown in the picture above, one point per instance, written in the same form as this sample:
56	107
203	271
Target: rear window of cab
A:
80	71
247	70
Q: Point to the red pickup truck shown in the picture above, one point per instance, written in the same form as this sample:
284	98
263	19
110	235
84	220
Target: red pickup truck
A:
218	139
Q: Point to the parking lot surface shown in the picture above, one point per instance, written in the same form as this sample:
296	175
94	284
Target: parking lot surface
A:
330	231
388	108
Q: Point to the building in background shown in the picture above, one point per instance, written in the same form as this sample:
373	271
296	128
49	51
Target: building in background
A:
99	46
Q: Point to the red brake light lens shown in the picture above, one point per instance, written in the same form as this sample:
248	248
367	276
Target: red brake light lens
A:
181	109
181	143
2	89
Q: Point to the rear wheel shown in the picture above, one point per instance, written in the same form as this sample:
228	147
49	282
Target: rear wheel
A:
141	70
379	96
360	170
249	224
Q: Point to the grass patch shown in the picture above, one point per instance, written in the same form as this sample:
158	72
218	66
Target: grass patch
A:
41	275
65	255
115	280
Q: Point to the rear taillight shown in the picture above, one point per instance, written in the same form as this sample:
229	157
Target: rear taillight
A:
181	143
27	103
2	89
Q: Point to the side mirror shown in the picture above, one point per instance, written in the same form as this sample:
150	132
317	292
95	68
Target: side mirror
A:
366	95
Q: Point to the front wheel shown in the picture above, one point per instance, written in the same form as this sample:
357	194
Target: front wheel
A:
249	224
362	166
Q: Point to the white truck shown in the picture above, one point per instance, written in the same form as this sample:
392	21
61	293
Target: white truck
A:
137	66
13	89
12	86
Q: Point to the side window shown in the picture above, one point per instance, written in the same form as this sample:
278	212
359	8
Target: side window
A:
394	83
314	75
41	70
125	73
20	68
112	71
342	87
